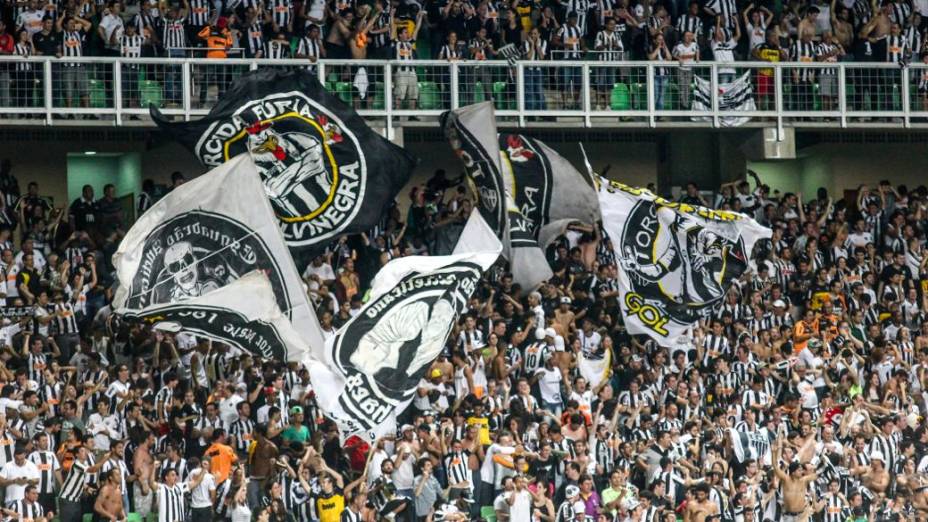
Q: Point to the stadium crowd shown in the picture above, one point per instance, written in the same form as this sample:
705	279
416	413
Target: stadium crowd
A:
803	397
888	31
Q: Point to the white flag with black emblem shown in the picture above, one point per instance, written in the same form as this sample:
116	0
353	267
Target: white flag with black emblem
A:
205	235
736	95
373	364
253	324
676	261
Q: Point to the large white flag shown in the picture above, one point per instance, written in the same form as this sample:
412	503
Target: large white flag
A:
243	314
373	364
676	261
205	235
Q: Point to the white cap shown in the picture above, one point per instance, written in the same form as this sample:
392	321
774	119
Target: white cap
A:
571	491
877	455
579	507
779	304
539	333
550	332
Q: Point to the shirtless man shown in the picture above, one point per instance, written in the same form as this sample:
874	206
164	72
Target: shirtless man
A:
700	509
841	26
877	480
794	486
108	506
143	464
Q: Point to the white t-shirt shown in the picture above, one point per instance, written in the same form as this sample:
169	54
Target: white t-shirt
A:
11	471
31	21
521	508
549	383
40	313
227	408
724	52
199	496
685	53
486	469
757	32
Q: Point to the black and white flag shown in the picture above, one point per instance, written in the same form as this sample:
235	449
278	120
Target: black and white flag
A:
472	133
373	364
676	261
244	314
205	235
549	192
325	172
737	95
511	53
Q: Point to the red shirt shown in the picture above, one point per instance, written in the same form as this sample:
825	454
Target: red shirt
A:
6	44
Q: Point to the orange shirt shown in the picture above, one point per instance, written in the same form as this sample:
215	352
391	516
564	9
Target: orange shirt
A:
216	43
221	459
802	329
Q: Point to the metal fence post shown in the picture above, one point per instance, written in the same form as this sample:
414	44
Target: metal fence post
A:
185	90
520	92
649	86
388	97
47	88
117	91
906	101
585	82
714	85
455	88
842	94
778	97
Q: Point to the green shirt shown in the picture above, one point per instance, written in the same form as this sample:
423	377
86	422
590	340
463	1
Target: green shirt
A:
292	433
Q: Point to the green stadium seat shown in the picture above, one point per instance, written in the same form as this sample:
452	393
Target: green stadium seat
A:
488	513
639	96
343	91
671	97
619	98
501	100
150	93
479	95
97	94
380	98
134	517
429	97
88	517
331	78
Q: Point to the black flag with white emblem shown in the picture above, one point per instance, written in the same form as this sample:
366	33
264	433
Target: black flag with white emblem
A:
373	364
326	173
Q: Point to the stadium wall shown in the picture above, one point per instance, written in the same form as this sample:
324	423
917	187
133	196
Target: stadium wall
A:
638	158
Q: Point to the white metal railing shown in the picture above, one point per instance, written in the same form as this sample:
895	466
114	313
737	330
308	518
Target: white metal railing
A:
111	91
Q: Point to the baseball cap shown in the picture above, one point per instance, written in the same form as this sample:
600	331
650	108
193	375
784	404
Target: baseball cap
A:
539	333
878	455
550	332
296	410
436	373
565	300
406	427
571	491
579	506
779	304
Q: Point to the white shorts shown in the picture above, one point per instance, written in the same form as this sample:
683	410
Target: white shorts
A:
406	85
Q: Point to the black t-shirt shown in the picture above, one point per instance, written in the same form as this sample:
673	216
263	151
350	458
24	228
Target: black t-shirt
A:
84	213
47	44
